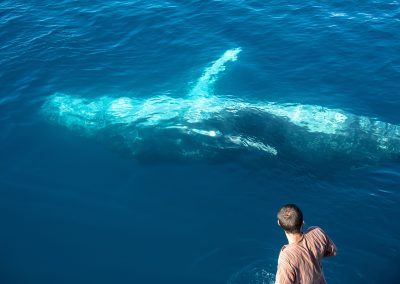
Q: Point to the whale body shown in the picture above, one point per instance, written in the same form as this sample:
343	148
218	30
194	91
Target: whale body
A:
203	124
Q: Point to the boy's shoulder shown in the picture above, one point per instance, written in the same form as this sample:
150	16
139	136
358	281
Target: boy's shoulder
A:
315	230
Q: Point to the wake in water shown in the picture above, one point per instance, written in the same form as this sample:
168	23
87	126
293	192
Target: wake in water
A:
254	273
203	124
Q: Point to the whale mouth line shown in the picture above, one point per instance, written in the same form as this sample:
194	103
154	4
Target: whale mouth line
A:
204	117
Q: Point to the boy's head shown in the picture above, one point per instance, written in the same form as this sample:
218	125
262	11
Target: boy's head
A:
290	218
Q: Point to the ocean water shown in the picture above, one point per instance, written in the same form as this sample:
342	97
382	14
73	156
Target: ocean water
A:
154	141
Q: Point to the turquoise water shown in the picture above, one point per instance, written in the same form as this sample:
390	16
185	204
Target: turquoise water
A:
154	141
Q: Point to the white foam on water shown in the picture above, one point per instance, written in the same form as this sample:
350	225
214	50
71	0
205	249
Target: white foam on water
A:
210	75
338	14
253	274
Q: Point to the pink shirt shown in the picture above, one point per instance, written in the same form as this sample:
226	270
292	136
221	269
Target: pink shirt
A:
301	262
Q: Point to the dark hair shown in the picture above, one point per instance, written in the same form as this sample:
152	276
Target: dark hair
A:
290	218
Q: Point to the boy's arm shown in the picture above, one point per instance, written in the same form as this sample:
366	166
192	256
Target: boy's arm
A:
328	246
330	249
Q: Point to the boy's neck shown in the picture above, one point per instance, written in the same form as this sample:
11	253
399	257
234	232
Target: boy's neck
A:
294	238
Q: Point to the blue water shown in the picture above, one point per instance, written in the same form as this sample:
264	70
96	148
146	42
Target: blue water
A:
78	208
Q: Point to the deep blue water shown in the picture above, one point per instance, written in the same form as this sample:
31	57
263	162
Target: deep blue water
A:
81	209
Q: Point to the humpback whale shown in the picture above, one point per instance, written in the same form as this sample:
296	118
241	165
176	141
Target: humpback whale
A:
204	124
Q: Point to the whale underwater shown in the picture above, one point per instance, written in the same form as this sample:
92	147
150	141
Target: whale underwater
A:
205	125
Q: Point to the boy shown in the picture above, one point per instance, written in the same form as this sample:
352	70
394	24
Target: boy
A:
300	260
